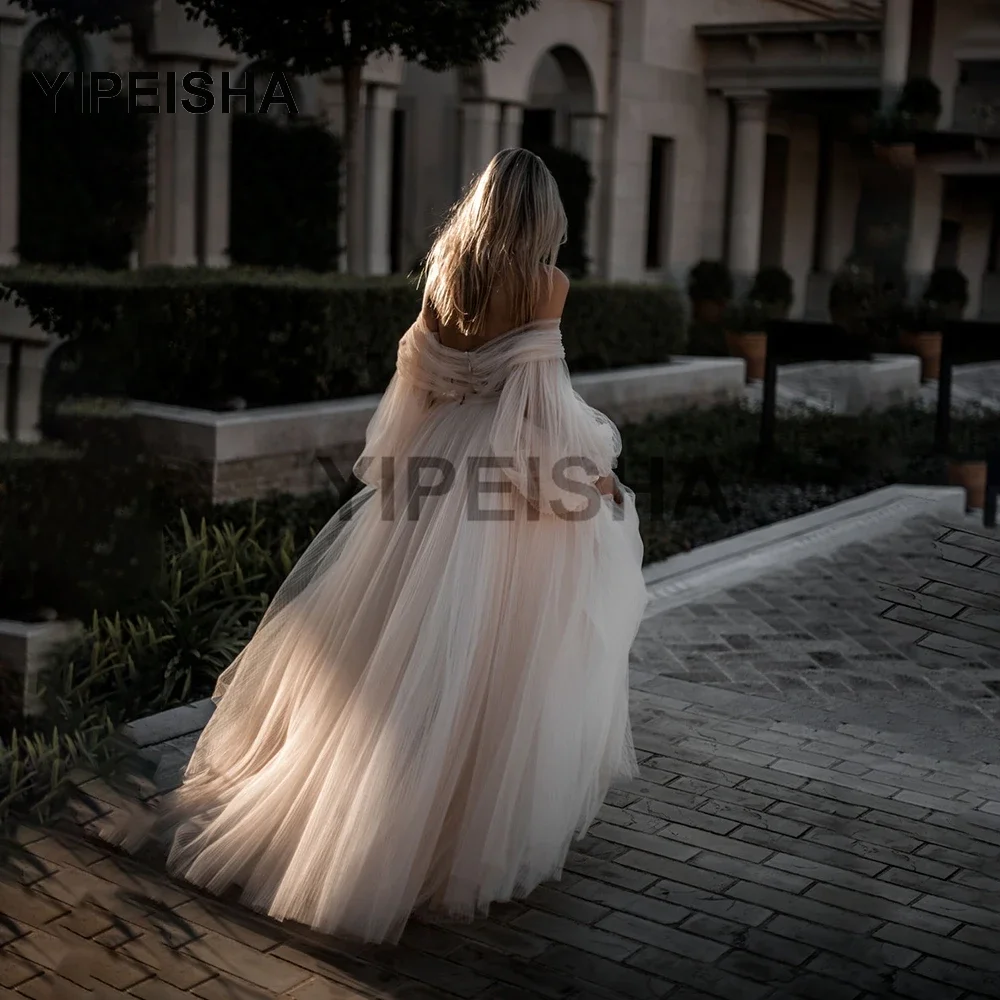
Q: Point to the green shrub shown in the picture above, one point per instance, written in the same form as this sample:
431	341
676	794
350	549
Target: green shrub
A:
78	528
710	281
200	338
212	588
773	286
40	768
948	287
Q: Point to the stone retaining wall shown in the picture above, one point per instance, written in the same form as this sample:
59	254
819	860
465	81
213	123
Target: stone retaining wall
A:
234	456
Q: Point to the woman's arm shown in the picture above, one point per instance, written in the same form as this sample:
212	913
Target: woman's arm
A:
608	486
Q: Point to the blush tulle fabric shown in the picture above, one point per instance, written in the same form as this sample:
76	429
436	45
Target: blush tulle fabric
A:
436	702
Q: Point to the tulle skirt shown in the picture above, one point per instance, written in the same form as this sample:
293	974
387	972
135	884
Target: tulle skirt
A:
433	707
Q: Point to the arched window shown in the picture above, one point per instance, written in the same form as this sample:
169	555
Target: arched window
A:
51	48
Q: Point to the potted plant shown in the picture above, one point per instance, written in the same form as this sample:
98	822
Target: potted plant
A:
710	289
945	298
774	289
746	336
967	463
852	298
892	140
949	289
920	334
919	104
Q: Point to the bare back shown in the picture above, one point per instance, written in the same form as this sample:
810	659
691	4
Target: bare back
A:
499	317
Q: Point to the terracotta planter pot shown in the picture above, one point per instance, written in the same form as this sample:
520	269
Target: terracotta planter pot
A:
707	311
927	347
971	475
903	156
752	347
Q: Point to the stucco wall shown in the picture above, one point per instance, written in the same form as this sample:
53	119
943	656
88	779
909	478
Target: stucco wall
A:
662	93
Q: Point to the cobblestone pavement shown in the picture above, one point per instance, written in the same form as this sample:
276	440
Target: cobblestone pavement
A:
778	844
906	630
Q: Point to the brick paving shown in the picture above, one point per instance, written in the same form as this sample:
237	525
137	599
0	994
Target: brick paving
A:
829	840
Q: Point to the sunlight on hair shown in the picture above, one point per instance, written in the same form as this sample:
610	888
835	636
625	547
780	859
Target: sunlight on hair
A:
505	233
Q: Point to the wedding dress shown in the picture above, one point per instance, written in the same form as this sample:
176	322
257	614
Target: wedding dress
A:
436	702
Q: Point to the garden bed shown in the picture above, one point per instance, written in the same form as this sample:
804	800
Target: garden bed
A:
251	453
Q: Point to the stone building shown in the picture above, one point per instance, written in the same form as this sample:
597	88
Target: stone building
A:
713	128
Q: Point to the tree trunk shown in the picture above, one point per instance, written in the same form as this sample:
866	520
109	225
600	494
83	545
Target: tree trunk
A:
353	159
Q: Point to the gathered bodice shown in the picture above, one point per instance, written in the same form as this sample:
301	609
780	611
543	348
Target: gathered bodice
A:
446	373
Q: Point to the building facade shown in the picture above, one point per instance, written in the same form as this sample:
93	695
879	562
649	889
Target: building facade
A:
720	129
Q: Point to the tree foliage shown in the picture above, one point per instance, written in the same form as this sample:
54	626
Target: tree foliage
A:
311	36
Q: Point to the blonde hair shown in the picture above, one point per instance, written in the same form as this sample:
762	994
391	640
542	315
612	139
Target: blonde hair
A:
501	234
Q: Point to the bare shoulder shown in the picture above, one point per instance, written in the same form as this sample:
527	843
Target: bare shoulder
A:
553	304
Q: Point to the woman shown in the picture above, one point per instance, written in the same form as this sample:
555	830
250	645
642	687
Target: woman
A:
437	700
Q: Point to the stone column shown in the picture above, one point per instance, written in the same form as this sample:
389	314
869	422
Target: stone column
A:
34	355
896	33
11	36
381	104
480	136
218	147
587	139
510	126
749	160
925	227
173	240
29	355
332	105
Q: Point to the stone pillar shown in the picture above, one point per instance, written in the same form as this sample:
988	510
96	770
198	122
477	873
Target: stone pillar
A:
587	139
31	372
925	227
510	126
11	36
896	33
379	110
218	147
480	136
332	105
29	356
173	237
749	161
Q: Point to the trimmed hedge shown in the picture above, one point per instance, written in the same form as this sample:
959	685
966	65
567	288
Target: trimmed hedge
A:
203	338
80	519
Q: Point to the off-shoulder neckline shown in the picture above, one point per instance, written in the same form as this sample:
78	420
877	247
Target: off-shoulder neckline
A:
533	325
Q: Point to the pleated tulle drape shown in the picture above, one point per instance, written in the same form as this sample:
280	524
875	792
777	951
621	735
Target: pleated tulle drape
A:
436	702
